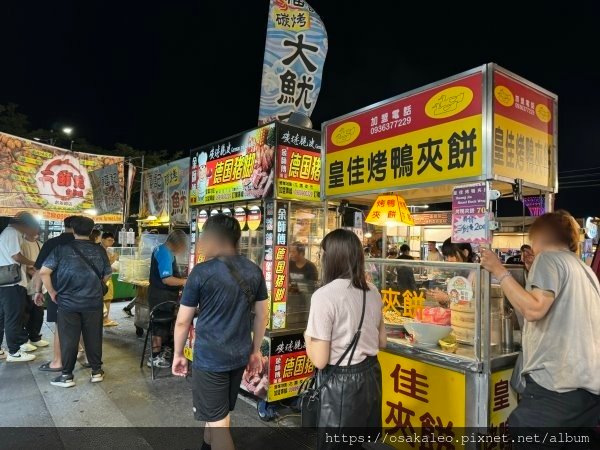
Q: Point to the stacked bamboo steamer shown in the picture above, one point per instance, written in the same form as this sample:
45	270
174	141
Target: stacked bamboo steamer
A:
462	317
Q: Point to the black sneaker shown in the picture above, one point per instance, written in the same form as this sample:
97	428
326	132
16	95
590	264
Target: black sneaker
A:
97	376
64	381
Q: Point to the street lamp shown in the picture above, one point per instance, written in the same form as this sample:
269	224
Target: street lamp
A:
68	131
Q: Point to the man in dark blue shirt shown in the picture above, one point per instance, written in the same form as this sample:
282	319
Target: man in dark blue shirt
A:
51	308
74	275
225	289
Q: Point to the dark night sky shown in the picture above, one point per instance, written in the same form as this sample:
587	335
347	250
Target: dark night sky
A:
182	73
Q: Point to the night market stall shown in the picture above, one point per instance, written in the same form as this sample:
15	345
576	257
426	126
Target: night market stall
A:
469	139
268	178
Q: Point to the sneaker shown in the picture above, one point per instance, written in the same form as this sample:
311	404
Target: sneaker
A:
158	361
167	353
97	377
2	354
64	381
27	347
40	343
20	356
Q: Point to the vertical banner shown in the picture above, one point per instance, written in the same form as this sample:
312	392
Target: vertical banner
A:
107	189
254	219
131	171
166	191
280	272
295	52
469	217
154	193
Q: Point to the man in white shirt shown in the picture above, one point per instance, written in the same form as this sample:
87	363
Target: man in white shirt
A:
433	254
14	295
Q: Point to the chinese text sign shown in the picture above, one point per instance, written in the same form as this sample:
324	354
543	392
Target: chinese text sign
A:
523	144
434	135
295	52
469	217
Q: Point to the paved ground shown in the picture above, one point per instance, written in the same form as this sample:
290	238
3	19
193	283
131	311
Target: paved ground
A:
127	399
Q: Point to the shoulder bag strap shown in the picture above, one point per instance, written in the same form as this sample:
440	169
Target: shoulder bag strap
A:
350	347
86	260
250	296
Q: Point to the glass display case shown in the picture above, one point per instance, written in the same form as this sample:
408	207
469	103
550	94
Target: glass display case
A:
449	312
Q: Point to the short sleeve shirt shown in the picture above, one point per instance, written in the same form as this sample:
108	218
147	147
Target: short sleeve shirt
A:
561	351
78	287
10	244
334	316
223	332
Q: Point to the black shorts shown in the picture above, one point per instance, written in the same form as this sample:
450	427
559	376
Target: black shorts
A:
215	393
51	309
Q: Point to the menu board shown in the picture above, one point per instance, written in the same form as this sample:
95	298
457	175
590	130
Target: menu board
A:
469	217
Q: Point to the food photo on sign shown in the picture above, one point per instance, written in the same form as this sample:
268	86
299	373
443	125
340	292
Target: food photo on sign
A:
238	168
50	181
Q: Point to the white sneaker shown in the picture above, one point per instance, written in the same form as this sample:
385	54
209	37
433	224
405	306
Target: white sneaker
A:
2	354
40	343
27	347
159	362
64	381
20	356
97	377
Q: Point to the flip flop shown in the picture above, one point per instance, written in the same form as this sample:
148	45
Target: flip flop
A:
46	368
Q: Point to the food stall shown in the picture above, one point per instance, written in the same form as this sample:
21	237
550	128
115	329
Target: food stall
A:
469	139
269	179
163	208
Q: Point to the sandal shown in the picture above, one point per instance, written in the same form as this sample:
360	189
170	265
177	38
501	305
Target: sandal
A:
46	368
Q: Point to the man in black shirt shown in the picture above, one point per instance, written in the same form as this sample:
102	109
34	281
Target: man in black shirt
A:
81	268
225	288
51	308
301	269
406	277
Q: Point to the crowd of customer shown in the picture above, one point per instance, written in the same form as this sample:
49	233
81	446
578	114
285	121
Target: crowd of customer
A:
560	304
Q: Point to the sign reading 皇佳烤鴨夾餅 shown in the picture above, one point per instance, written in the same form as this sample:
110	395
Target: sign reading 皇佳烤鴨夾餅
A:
523	131
432	136
235	169
299	163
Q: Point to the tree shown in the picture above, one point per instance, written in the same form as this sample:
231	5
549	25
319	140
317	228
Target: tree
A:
12	121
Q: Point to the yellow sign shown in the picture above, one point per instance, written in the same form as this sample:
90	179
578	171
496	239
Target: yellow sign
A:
345	133
279	391
504	96
389	210
503	400
543	113
449	102
291	19
442	152
521	151
420	400
412	302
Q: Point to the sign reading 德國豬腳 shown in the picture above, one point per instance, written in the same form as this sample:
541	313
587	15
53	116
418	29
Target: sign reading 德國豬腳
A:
431	136
420	399
52	182
234	169
289	366
299	163
523	127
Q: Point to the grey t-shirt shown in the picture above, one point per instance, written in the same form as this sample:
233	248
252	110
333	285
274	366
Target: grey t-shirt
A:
334	316
561	352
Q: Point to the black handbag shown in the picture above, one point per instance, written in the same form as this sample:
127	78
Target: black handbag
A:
93	267
10	274
310	391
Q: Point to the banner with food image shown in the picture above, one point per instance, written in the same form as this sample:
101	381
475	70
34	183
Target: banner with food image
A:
51	182
234	169
108	193
166	191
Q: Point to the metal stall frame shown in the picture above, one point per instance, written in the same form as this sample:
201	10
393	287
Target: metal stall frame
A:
478	375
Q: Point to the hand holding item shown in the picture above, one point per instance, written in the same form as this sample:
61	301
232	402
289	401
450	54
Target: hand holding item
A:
179	366
255	364
53	296
491	262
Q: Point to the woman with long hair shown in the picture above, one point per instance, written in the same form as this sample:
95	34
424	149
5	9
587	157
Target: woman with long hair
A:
351	395
561	343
